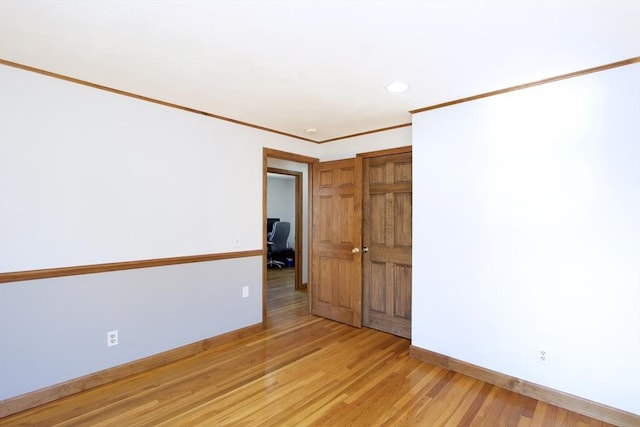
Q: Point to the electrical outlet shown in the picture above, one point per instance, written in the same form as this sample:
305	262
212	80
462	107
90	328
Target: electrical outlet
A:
245	292
112	338
543	356
236	242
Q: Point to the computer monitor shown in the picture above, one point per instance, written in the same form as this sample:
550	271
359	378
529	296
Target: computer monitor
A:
270	222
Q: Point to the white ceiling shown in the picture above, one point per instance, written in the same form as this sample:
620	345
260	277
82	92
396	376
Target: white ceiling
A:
291	65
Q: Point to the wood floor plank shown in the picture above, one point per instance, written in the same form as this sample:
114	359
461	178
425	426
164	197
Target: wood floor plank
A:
490	408
539	414
479	397
301	370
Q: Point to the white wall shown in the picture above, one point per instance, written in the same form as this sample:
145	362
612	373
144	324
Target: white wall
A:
88	176
527	234
349	147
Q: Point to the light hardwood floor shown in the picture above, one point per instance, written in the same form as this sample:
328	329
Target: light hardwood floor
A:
302	370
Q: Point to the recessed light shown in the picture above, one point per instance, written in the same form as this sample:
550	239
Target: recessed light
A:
311	130
397	87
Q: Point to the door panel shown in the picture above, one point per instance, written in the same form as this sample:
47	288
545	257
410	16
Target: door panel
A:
378	288
402	293
402	220
387	204
336	273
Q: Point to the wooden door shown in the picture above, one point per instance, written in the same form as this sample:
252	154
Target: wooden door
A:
336	271
387	201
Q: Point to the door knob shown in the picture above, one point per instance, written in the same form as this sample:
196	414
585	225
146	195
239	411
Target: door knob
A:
356	250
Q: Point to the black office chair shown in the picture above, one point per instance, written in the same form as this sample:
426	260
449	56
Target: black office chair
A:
277	242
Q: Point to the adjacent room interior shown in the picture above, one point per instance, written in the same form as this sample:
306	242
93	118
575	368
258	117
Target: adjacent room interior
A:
486	219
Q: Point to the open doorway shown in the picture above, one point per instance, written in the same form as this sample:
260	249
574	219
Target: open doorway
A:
284	206
297	170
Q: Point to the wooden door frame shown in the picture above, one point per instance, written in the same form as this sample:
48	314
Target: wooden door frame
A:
270	153
399	150
298	222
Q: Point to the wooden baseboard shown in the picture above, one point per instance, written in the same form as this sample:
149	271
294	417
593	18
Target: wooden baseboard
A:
564	400
48	394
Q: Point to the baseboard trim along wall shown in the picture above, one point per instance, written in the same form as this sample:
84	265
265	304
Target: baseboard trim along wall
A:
564	400
48	394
